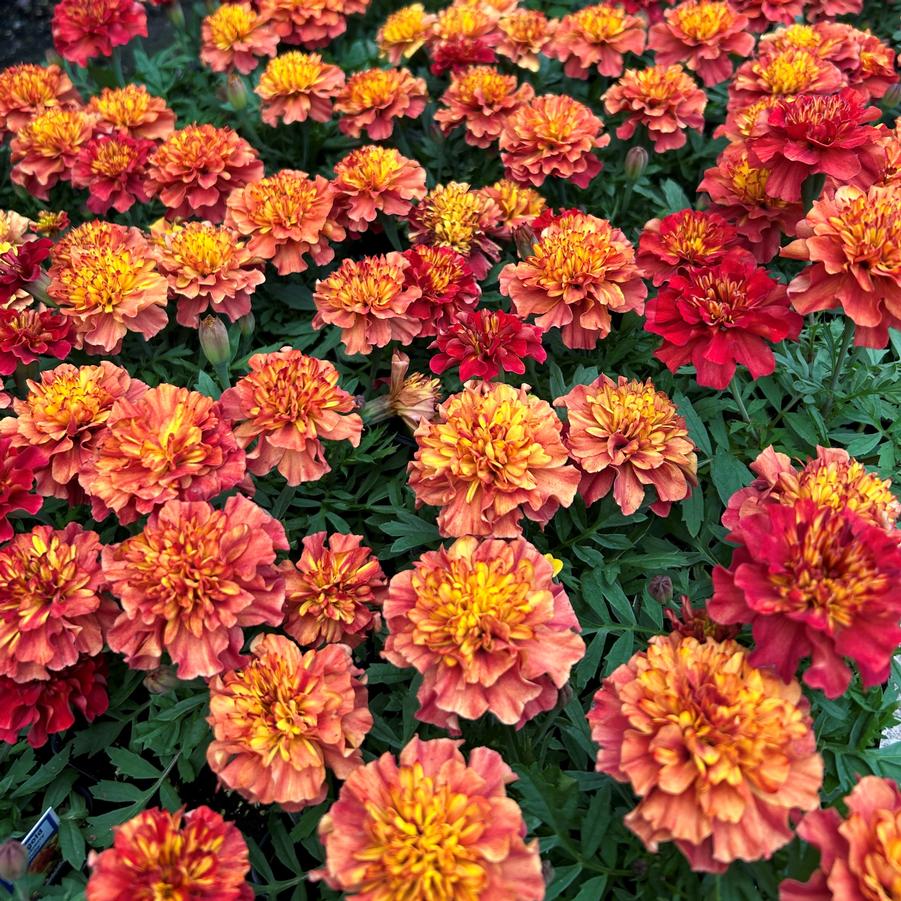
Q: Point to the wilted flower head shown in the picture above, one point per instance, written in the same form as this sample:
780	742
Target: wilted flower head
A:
27	90
712	746
234	37
285	719
447	285
85	29
404	32
524	33
411	398
132	110
112	168
296	86
371	100
18	466
26	335
519	204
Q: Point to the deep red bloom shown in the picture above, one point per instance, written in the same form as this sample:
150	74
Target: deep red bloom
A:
17	466
21	265
447	284
721	316
84	29
113	169
484	341
457	53
28	334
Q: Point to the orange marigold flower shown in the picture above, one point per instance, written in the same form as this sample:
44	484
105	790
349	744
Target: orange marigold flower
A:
579	271
284	719
447	285
167	444
628	436
519	205
596	37
371	100
834	41
783	73
374	179
763	13
875	71
702	34
404	32
331	590
524	34
480	98
287	404
191	581
196	167
104	277
368	300
296	86
27	90
85	29
487	627
712	746
494	455
430	824
133	111
175	855
44	150
112	168
52	608
207	267
553	135
234	36
310	23
62	415
286	216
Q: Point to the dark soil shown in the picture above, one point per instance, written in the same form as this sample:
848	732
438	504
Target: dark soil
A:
24	30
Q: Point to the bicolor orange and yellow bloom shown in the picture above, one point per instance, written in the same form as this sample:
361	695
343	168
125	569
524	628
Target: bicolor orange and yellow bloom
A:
524	34
234	37
26	90
310	23
371	100
298	86
783	73
404	32
112	168
519	205
464	34
134	111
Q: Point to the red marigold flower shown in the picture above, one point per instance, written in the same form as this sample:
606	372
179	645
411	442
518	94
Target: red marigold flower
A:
371	100
234	36
296	86
446	283
369	301
188	855
167	444
112	168
851	240
553	135
482	342
524	34
20	266
196	167
404	32
18	466
191	581
487	627
433	793
627	435
207	267
814	581
331	590
712	746
494	455
132	111
45	707
702	34
480	98
721	316
51	606
374	179
28	334
85	29
288	404
579	271
286	216
596	37
783	73
285	719
463	36
26	90
519	205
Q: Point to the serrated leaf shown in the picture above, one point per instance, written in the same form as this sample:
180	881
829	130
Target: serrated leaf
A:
72	844
728	474
127	763
108	790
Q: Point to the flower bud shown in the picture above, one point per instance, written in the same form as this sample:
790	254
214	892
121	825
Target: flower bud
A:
524	239
236	91
660	588
214	340
636	163
13	860
246	324
892	96
176	15
161	680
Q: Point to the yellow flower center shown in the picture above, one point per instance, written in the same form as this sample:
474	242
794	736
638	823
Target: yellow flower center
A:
364	286
292	73
491	84
202	248
881	864
663	84
113	158
870	230
749	183
369	168
374	88
789	72
600	23
125	107
462	22
230	23
57	131
525	26
702	20
28	85
694	239
452	213
283	200
195	147
103	279
71	402
404	26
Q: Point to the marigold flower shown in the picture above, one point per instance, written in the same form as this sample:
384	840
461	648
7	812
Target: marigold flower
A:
702	34
463	36
296	86
596	37
814	581
763	13
374	179
46	707
404	32
287	404
20	266
721	316
284	719
524	33
18	466
627	435
712	746
519	205
26	90
371	100
85	29
310	23
167	444
783	73
390	830
494	455
553	135
851	240
875	71
446	284
28	334
196	167
104	278
51	606
286	216
411	398
331	590
833	41
369	301
182	854
579	271
14	230
831	9
133	111
191	581
482	342
234	36
51	222
207	267
112	168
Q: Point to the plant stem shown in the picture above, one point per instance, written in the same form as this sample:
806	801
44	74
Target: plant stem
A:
736	394
838	365
117	66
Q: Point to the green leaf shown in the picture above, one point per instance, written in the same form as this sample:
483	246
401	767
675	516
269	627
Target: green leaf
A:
693	512
127	763
118	791
72	844
592	890
696	430
676	198
728	474
563	879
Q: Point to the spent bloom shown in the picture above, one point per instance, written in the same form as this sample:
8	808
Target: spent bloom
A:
112	168
487	627
18	467
371	100
411	398
33	332
191	581
524	34
234	37
404	32
447	285
284	719
298	86
85	29
27	90
133	111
